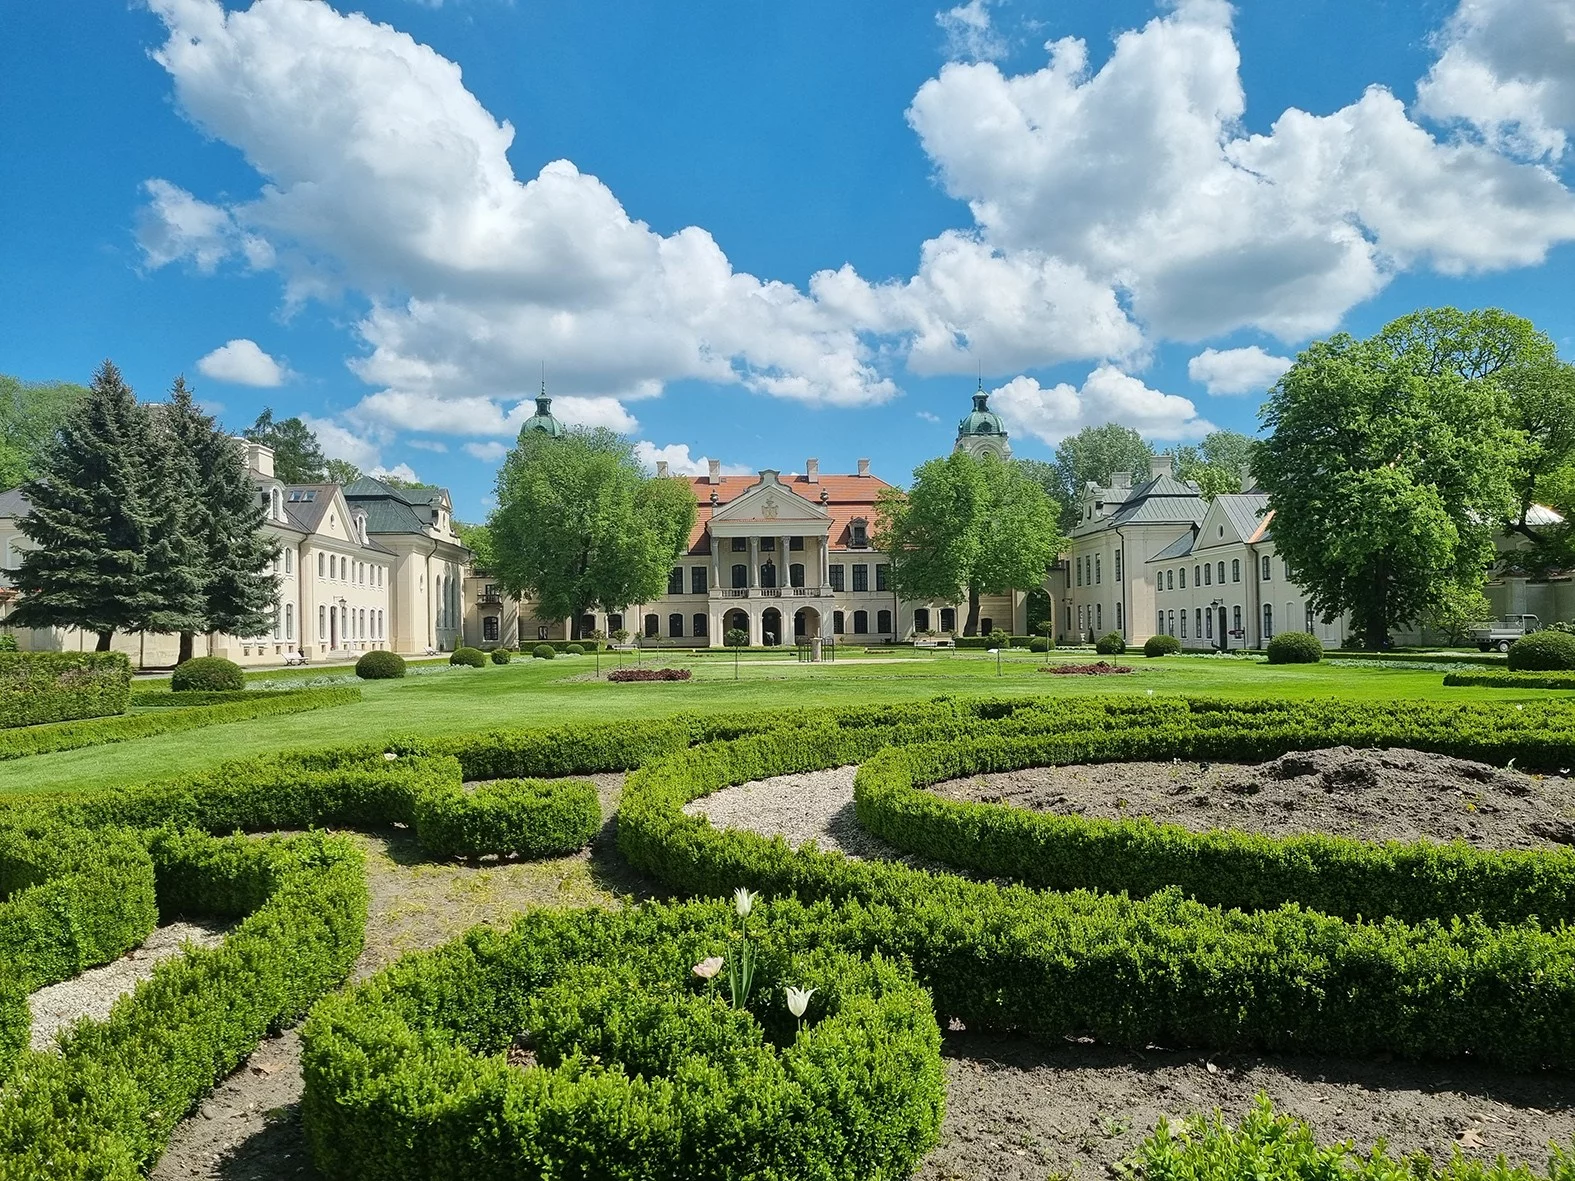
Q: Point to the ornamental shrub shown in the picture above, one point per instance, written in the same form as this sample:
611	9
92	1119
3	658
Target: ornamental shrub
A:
522	817
1110	644
40	687
501	656
1545	651
380	666
1000	638
574	650
207	674
544	652
736	637
1295	648
1161	645
1501	680
469	657
1041	644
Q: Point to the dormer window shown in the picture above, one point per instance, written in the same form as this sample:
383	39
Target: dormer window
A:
860	531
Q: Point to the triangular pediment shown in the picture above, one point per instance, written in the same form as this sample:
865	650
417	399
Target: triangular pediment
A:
768	503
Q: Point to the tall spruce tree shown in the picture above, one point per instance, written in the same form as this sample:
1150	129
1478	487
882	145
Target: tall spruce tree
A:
237	589
93	521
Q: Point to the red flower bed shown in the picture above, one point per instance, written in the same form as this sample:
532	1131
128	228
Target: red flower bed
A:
649	674
1099	668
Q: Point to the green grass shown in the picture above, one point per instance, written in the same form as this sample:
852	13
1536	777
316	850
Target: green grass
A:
552	692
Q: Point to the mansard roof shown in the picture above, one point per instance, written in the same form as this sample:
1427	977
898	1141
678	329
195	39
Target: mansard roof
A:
1163	500
393	510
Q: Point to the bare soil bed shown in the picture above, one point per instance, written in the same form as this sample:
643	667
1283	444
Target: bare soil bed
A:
1374	795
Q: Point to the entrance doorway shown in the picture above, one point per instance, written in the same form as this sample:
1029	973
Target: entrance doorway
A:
806	622
735	621
771	626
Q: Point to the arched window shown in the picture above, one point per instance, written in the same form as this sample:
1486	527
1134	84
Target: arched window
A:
1268	621
1099	617
702	625
796	574
1222	573
1310	620
1197	576
289	561
883	622
614	623
1183	578
1235	619
1183	624
1235	569
319	565
861	623
1172	629
278	624
986	626
651	626
675	625
587	624
1198	623
1265	567
289	621
1170	579
1119	625
1207	581
921	619
363	623
740	576
1159	628
768	574
948	619
322	621
838	623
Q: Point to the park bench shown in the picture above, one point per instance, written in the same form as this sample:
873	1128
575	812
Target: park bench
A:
935	642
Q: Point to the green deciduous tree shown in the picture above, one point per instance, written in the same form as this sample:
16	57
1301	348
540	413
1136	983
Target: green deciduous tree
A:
1093	455
1389	477
478	540
579	525
31	413
1455	608
297	458
1215	464
93	520
341	471
968	527
223	518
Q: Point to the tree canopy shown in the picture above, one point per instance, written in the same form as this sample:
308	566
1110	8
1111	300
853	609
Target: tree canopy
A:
1389	472
968	527
297	457
478	540
31	414
1094	454
1215	464
581	526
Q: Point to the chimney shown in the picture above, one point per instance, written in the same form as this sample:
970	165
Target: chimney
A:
1161	465
864	467
1121	479
661	469
714	476
812	470
1248	480
258	457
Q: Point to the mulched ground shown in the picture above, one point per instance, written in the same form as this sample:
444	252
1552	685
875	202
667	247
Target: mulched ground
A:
1375	795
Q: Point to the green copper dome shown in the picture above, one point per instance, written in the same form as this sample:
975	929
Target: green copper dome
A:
981	420
543	420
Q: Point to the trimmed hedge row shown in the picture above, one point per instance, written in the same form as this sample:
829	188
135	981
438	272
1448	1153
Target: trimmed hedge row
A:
40	687
71	900
1335	875
103	1108
160	699
641	1070
100	731
1161	969
1507	680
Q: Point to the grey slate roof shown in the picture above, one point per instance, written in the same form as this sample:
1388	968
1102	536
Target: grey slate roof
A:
13	503
1163	499
1244	510
1179	548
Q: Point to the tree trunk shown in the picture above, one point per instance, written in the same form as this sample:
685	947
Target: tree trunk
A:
104	639
574	624
971	625
187	640
1376	630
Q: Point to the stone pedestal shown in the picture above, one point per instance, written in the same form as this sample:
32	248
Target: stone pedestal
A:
814	650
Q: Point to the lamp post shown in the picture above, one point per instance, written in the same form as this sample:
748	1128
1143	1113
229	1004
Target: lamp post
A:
996	652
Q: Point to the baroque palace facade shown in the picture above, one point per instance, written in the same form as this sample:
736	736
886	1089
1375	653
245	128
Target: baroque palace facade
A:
783	558
362	567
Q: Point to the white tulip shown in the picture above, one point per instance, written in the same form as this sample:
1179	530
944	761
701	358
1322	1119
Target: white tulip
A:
798	1000
744	901
709	967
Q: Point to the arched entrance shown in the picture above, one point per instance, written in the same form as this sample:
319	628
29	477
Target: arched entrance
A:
735	620
806	623
771	626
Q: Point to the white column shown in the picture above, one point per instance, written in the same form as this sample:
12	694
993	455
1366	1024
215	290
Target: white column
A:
825	560
755	630
716	561
754	573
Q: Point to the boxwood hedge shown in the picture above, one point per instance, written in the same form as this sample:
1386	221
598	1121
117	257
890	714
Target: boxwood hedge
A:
39	687
1506	680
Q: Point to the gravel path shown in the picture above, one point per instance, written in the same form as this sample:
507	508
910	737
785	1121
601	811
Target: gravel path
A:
94	992
814	806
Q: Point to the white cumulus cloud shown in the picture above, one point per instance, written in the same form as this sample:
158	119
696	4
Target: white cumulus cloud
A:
241	362
1248	370
679	462
339	442
970	32
1051	413
488	452
400	471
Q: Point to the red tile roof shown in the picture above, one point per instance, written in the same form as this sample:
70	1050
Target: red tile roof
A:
850	497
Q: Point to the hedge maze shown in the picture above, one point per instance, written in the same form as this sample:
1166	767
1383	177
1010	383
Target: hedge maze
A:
583	1044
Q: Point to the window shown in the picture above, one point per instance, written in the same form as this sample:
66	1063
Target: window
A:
1099	570
1118	565
322	620
921	619
1208	624
615	623
883	622
1159	627
1197	576
768	574
1121	627
1170	580
1222	573
1183	578
1235	621
861	577
382	625
740	544
278	624
697	580
860	535
796	574
701	624
289	561
882	576
740	575
320	560
1207	581
835	573
1197	624
795	543
651	625
1235	569
675	625
1079	571
1265	567
675	581
948	619
1310	619
768	545
1080	619
1268	621
1099	616
289	621
837	623
489	629
861	623
587	624
1171	630
1183	625
541	632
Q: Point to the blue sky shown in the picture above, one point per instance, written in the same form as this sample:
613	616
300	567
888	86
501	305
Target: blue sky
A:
764	232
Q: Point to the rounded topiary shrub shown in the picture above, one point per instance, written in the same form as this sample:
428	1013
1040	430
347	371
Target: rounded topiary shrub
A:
543	651
573	650
500	656
1295	648
474	657
1542	652
380	666
1161	646
1110	644
207	674
1040	644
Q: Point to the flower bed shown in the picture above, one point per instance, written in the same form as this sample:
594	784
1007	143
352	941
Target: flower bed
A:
1099	668
625	675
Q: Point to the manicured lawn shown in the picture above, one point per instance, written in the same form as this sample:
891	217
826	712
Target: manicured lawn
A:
544	693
